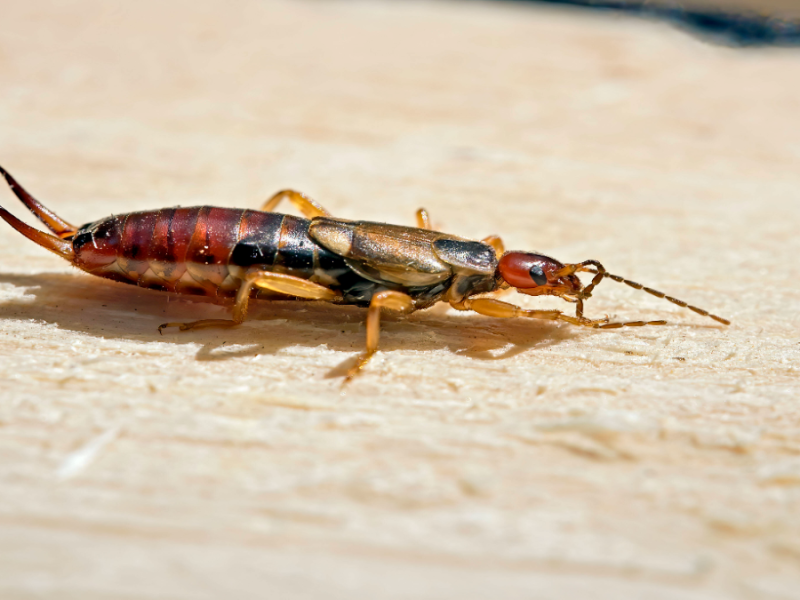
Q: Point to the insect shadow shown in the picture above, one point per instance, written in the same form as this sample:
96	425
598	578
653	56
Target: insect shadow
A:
110	310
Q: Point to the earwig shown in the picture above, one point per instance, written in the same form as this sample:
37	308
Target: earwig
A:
243	254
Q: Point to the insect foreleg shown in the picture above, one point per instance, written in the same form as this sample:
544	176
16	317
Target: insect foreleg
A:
309	207
276	282
386	299
504	310
606	325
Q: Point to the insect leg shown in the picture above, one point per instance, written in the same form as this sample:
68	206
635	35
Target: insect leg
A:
497	308
309	207
606	325
386	299
423	219
495	242
504	310
276	282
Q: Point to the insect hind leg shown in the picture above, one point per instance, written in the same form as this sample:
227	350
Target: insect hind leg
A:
255	277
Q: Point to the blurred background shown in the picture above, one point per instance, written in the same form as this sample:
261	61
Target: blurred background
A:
476	458
731	22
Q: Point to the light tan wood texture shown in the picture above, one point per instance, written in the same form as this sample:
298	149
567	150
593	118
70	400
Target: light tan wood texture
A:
474	457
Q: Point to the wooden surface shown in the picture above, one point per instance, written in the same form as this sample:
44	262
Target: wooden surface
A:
475	458
788	8
777	8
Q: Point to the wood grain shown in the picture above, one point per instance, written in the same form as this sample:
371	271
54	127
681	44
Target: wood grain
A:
476	458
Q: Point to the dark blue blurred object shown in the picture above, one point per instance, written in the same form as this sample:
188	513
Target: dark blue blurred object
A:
731	29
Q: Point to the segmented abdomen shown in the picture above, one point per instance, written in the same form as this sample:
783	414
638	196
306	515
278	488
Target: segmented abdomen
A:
183	250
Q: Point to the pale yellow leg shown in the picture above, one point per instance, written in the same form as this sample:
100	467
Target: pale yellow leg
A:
310	208
495	242
503	310
423	219
386	299
276	282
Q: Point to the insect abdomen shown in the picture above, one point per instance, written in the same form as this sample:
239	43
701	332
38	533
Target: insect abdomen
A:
183	250
206	251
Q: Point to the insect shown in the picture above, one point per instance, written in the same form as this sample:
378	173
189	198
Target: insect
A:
235	254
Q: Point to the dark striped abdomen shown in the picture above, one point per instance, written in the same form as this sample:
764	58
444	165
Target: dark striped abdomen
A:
198	250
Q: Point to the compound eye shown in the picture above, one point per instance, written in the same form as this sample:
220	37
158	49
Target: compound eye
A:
538	276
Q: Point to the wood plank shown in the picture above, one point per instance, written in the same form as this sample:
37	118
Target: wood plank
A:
475	458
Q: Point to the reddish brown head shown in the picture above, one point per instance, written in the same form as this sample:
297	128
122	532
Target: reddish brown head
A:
537	275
